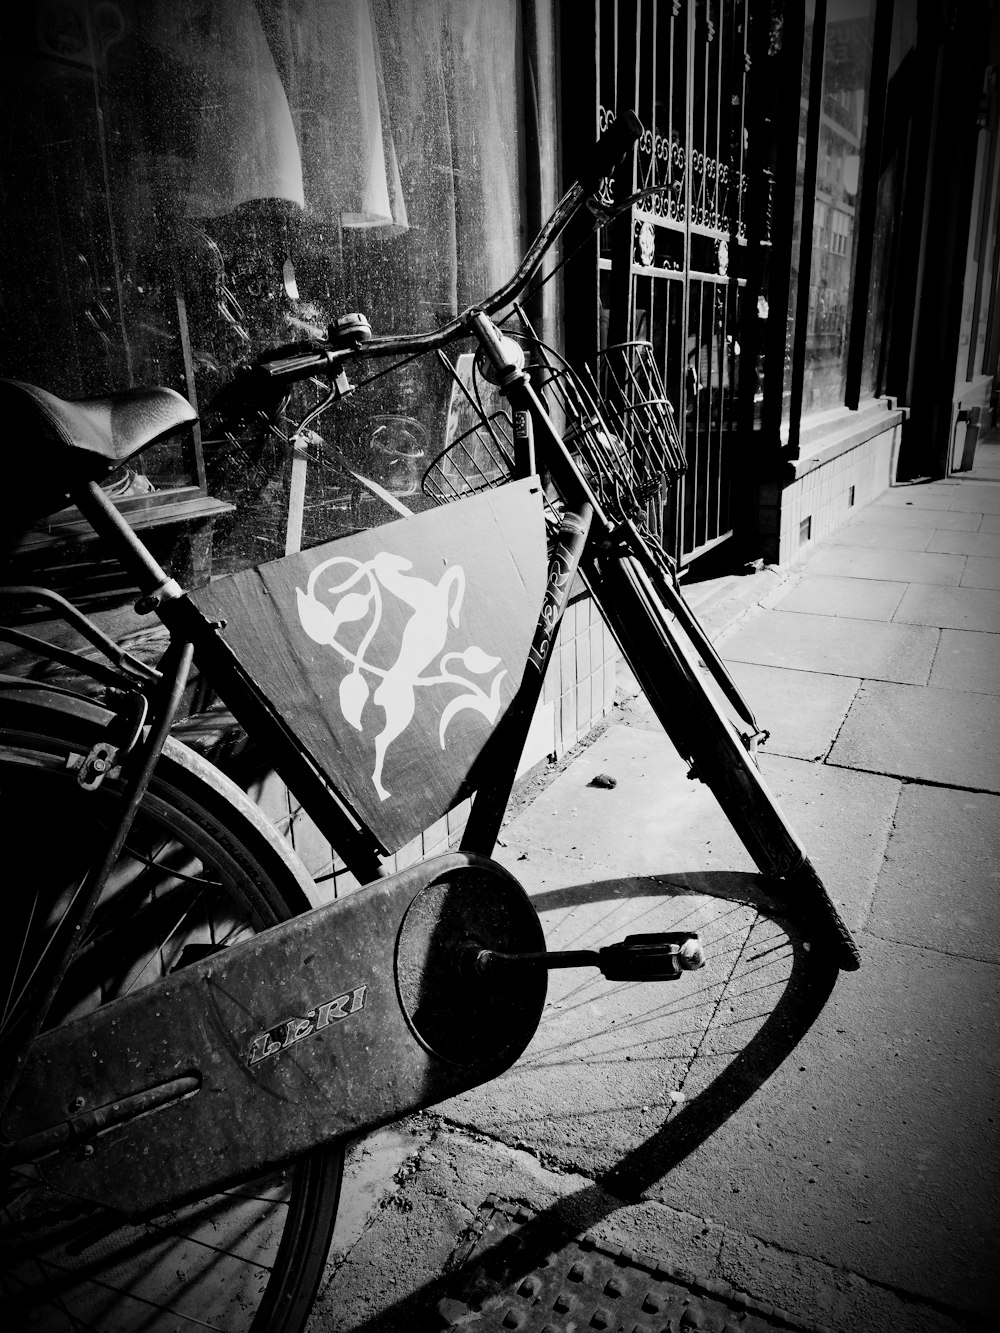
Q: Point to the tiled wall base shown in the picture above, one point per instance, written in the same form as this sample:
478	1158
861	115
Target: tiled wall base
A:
825	496
579	691
580	684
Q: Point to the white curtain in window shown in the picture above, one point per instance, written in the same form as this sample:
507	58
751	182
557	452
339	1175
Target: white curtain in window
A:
245	144
339	104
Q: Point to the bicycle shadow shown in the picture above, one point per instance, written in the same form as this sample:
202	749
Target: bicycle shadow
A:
807	986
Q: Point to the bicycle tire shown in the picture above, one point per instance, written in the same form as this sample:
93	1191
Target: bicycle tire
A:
86	1270
705	738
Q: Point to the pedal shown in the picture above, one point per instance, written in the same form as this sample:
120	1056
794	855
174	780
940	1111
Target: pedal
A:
654	957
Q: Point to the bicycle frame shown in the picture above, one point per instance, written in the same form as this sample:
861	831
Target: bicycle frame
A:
221	1026
340	1020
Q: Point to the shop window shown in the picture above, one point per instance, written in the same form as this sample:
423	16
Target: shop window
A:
888	205
187	183
829	196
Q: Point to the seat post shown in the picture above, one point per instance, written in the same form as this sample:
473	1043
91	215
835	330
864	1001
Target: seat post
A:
154	583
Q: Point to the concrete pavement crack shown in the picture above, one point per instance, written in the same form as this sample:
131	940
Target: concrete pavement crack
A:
910	781
885	852
825	758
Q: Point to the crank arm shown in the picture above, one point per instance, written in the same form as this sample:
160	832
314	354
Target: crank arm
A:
655	957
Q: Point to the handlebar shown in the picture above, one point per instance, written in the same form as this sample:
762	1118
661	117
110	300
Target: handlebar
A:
272	375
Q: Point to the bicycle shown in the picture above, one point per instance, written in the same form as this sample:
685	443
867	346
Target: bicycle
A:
174	973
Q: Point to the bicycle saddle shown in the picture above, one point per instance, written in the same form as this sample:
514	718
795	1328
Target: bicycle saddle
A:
61	442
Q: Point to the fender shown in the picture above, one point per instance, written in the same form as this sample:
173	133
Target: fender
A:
119	728
42	695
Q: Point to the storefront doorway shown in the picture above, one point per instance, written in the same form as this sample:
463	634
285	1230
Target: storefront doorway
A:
675	272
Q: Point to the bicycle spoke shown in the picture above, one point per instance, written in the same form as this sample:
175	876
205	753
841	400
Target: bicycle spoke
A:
254	1198
153	864
160	948
22	952
145	1239
185	877
163	1229
43	956
74	1320
132	1296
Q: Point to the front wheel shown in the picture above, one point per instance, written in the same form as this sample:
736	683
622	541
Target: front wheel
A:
704	736
201	870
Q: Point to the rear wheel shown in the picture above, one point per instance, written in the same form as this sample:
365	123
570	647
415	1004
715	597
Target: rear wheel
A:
201	870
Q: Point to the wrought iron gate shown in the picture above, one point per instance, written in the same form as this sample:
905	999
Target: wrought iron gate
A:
673	275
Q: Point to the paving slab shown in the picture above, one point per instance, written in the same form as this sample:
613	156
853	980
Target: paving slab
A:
986	464
835	646
965	543
967	660
874	1144
803	710
926	495
844	824
832	594
868	532
401	1266
950	608
981	498
990	523
389	1277
910	516
857	562
656	823
853	1134
369	1167
933	735
982	571
827	1295
940	885
681	840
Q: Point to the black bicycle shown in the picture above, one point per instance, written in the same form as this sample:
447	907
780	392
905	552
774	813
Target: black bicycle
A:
174	971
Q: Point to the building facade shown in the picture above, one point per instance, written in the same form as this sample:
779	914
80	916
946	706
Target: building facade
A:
817	266
807	238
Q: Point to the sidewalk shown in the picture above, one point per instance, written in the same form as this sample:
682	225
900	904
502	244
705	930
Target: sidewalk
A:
759	1134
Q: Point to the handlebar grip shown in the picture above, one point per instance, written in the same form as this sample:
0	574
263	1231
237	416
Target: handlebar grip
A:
260	388
294	362
616	141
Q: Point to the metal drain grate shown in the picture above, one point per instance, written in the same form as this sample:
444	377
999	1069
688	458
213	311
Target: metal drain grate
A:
514	1273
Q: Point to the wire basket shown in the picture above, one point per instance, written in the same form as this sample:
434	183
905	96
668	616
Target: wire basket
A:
479	453
620	424
615	418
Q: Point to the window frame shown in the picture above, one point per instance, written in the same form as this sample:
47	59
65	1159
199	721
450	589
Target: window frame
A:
790	343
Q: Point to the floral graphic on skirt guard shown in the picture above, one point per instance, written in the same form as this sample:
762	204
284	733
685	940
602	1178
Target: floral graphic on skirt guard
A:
434	607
